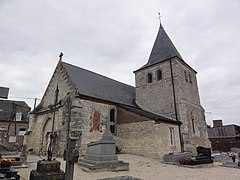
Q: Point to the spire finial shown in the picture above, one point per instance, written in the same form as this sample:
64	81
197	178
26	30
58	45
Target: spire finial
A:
159	17
60	56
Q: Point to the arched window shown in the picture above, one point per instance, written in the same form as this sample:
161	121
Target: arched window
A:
185	73
171	135
149	76
112	121
190	79
192	120
159	75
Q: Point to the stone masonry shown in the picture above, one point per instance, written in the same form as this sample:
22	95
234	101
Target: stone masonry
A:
144	136
82	117
157	97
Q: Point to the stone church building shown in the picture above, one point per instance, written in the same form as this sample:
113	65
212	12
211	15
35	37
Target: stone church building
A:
161	114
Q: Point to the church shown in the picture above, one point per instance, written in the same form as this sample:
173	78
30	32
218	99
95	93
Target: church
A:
162	114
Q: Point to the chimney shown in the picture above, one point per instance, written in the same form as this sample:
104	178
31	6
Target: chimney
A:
217	123
4	92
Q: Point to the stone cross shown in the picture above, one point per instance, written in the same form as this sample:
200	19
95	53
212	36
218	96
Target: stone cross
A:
107	123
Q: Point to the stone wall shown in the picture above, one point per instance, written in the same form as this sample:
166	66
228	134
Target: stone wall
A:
40	120
190	111
92	114
86	115
139	135
157	97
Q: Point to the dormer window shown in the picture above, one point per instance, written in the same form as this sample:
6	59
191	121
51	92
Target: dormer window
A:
18	116
149	76
159	75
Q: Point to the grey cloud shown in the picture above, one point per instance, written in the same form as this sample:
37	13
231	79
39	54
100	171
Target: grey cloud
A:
114	38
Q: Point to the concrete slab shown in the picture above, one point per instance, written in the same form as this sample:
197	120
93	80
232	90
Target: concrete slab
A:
231	165
121	178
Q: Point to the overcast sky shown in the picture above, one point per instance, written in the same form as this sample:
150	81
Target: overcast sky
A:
114	38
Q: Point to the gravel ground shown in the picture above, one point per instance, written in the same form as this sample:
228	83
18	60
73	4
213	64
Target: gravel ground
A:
147	169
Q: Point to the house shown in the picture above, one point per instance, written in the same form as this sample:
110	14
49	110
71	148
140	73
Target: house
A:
13	121
161	114
224	137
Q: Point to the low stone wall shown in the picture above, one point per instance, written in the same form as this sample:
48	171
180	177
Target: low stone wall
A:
146	138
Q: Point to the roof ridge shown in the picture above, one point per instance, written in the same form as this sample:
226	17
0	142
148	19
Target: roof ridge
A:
95	73
95	85
10	100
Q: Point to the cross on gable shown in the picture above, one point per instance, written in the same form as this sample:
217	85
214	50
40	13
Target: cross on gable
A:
60	56
159	17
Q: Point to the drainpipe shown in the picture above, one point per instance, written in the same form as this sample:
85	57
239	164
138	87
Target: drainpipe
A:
175	106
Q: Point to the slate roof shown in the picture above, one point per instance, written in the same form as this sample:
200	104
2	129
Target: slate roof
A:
163	49
95	85
223	131
6	109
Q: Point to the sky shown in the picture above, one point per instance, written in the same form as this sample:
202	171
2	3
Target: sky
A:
114	38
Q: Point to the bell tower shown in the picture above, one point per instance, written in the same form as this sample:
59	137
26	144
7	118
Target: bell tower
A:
166	85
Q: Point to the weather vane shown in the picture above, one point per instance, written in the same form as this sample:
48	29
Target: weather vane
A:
159	17
60	56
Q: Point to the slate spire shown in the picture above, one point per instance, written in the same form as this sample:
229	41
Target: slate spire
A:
163	49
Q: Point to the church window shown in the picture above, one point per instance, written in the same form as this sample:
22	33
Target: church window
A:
171	135
190	79
159	75
185	73
149	76
192	120
112	121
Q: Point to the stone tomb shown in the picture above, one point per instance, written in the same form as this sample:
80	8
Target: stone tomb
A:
203	156
175	157
47	170
101	155
8	173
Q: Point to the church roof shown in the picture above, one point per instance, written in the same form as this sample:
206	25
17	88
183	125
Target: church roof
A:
98	86
163	49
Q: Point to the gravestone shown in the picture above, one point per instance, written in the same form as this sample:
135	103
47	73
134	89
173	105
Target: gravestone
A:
8	173
47	170
102	154
203	156
235	149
